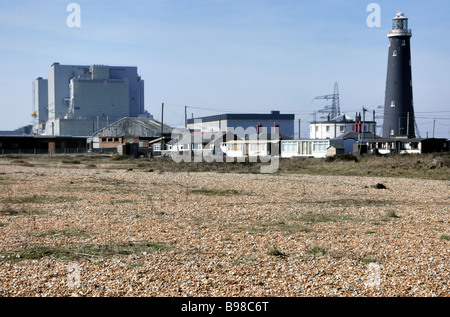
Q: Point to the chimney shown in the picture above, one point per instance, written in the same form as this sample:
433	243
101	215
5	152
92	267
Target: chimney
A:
276	128
259	128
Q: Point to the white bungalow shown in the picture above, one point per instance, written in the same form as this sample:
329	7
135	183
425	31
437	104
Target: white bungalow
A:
308	147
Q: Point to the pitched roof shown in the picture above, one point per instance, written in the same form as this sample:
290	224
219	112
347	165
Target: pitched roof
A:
134	126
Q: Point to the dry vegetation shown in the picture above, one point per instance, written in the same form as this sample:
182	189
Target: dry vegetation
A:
93	225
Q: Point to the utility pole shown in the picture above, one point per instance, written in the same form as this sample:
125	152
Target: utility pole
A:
434	125
185	117
162	127
374	126
364	120
299	121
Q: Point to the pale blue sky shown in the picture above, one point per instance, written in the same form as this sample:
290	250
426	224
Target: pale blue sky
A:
217	56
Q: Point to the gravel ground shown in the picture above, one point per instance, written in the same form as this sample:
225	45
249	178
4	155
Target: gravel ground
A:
220	234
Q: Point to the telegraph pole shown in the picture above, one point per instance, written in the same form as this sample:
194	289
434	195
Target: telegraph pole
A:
434	125
363	123
162	127
374	126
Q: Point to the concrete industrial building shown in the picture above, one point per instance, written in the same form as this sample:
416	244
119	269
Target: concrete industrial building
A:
40	104
244	123
82	99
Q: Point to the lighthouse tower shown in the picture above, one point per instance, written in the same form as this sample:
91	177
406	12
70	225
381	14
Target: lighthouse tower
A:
398	105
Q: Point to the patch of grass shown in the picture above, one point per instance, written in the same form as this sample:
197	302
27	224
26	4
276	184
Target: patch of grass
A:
8	210
369	260
274	251
22	163
324	217
342	157
291	227
132	248
214	192
444	237
389	215
67	161
122	157
83	251
317	250
38	253
287	226
38	199
349	202
65	233
120	201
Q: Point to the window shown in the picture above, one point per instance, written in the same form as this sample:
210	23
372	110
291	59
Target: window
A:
233	147
258	147
320	146
403	42
394	53
290	147
399	24
342	128
328	128
392	103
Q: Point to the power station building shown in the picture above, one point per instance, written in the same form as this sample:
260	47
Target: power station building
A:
78	100
40	104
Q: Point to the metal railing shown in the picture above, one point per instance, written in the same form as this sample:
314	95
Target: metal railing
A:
400	32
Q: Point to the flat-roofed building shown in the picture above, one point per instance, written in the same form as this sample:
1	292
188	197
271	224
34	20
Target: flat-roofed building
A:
245	123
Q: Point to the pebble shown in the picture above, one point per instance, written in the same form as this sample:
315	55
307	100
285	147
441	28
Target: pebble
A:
219	244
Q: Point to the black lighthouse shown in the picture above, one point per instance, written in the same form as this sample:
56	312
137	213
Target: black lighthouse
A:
398	104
